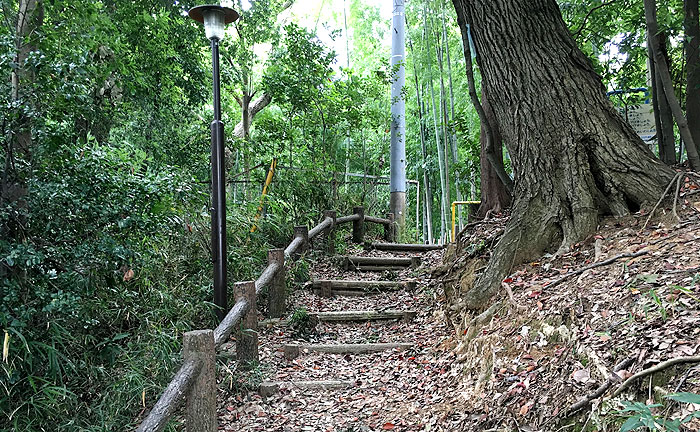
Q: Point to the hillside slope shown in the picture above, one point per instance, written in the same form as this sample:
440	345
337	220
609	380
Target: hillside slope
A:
626	299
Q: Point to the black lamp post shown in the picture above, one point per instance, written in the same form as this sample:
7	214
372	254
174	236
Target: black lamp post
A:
214	19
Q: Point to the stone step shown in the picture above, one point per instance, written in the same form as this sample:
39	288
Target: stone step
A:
403	247
378	269
346	316
352	288
292	351
379	263
368	315
269	388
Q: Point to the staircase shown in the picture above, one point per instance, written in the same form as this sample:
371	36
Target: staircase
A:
355	276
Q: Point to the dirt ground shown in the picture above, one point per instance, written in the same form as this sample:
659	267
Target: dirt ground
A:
535	354
395	390
563	329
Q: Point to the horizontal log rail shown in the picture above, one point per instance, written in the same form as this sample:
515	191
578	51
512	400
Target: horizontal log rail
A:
194	383
377	220
346	219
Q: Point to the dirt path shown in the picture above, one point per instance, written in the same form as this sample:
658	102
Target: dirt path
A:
391	390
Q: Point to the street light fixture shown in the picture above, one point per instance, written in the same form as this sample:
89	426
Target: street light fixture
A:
215	18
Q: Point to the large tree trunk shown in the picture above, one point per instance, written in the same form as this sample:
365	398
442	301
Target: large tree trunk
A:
494	195
574	157
692	37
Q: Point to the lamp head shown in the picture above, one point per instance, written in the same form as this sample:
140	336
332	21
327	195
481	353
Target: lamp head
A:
214	18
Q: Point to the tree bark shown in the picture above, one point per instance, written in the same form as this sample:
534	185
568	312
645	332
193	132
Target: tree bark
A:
426	174
574	156
692	47
656	96
494	195
254	108
445	121
665	76
30	17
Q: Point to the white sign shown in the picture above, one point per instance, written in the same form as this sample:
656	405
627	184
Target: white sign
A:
641	118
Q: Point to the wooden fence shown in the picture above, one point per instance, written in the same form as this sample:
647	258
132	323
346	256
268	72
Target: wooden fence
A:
194	384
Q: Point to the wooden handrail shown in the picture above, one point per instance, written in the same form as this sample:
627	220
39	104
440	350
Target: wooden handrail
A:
171	399
346	219
230	321
177	390
377	220
293	246
322	226
266	277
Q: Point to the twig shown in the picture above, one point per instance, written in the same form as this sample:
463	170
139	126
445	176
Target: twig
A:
511	298
675	198
600	391
594	265
659	367
659	202
682	381
686	270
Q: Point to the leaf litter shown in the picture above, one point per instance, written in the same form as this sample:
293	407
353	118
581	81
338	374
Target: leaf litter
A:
395	390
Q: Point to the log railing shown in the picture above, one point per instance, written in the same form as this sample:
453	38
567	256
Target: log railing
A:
194	384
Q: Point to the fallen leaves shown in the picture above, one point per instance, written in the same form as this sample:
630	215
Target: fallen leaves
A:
583	327
128	275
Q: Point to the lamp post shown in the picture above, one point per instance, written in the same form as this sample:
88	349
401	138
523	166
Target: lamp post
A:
214	19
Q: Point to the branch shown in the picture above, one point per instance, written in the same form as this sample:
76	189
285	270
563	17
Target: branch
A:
594	265
588	15
659	367
258	105
490	153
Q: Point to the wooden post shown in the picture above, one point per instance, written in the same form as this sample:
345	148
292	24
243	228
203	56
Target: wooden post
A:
276	294
358	226
326	290
390	230
330	233
303	232
200	408
247	331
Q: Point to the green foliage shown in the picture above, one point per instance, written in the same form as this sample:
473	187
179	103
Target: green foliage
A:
302	323
639	415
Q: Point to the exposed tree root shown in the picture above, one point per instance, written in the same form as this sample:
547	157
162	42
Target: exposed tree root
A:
659	367
658	203
594	265
600	391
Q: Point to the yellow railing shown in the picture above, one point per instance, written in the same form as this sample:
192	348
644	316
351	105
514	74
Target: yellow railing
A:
454	207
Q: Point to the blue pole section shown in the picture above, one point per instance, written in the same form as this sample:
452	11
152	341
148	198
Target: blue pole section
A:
398	113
